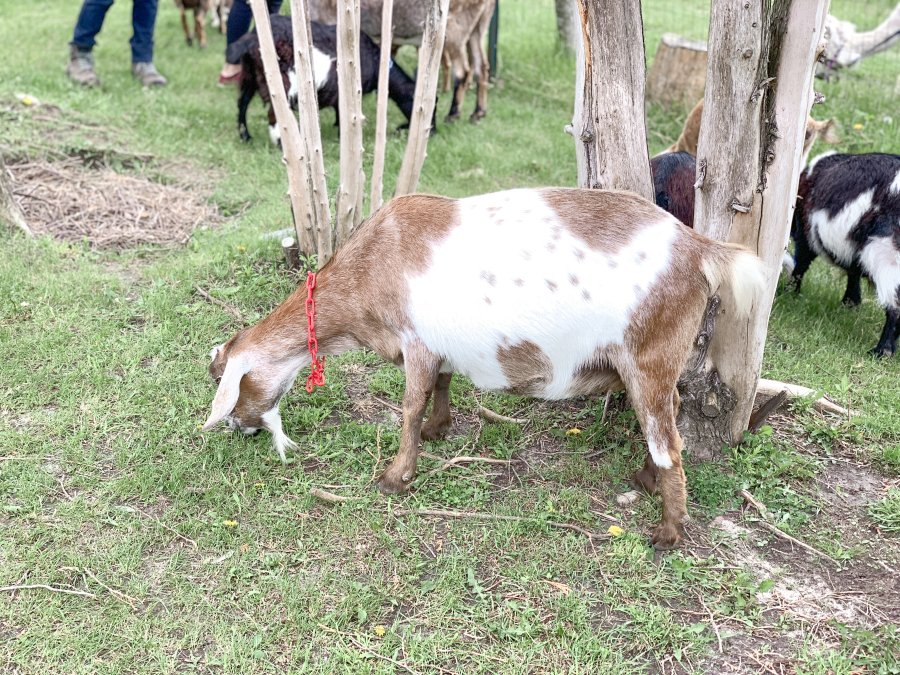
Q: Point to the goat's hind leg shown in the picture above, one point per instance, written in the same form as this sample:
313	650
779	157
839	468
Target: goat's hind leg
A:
439	421
421	376
184	25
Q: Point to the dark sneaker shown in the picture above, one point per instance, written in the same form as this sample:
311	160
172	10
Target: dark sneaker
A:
148	75
81	67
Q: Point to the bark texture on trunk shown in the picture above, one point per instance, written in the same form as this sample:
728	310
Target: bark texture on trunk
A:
348	203
678	71
424	101
609	126
748	160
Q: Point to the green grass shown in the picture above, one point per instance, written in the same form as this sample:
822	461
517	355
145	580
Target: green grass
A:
223	561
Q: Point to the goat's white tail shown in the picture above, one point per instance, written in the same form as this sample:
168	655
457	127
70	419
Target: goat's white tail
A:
742	272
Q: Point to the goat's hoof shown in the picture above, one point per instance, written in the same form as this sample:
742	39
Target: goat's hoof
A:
189	42
451	118
881	352
850	302
202	45
666	536
389	484
477	116
435	431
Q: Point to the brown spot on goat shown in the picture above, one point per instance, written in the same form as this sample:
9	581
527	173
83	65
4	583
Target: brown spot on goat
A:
525	366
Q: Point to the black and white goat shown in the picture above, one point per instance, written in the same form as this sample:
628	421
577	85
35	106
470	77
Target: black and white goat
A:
401	87
848	211
552	293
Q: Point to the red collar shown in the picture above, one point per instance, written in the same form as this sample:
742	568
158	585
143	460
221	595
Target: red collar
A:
317	371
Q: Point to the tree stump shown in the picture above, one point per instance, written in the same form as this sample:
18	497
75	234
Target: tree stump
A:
678	72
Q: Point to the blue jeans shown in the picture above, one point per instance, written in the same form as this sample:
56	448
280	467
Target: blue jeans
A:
143	20
240	17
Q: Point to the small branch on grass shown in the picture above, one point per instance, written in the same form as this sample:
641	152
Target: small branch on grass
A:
390	405
774	387
231	309
166	527
712	620
440	513
764	513
605	406
467	459
118	595
330	497
46	587
491	416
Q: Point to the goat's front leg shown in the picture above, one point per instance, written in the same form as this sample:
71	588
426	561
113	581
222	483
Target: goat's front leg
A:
200	26
421	375
887	345
184	25
853	294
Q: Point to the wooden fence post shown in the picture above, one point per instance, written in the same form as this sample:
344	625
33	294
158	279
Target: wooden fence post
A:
609	125
318	216
377	197
348	202
748	159
426	88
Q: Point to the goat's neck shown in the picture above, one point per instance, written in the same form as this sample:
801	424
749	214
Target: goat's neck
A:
284	333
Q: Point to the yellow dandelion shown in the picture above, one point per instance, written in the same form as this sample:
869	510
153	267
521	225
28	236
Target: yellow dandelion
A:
857	126
615	531
379	630
574	431
230	523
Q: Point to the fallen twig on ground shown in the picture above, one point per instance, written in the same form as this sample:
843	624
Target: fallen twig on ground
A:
166	527
46	587
390	405
774	387
118	595
231	309
370	651
440	513
764	513
466	459
491	416
330	497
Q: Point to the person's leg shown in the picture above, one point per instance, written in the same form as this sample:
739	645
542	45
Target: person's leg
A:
143	22
89	23
238	24
81	61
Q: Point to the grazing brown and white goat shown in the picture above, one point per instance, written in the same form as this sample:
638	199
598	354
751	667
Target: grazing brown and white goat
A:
690	134
200	7
552	293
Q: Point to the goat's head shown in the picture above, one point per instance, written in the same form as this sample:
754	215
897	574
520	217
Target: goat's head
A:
816	130
251	382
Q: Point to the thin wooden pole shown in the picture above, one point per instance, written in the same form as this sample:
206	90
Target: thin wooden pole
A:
353	180
318	217
426	88
290	135
377	195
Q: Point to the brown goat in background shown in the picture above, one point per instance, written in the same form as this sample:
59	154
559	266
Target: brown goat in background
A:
200	7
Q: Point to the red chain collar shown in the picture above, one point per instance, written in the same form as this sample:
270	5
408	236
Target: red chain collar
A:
317	371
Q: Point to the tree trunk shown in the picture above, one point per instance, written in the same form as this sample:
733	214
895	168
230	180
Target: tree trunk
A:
377	196
348	203
748	160
678	71
567	25
291	142
317	219
609	126
10	212
426	88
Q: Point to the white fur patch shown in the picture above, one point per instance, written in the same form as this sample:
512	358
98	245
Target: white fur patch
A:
881	261
321	63
214	352
659	455
548	288
895	184
274	134
272	421
831	236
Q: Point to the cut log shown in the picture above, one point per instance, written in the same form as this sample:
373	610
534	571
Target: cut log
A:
678	72
291	253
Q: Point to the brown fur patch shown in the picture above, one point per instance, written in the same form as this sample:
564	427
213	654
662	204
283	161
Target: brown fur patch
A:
605	220
526	367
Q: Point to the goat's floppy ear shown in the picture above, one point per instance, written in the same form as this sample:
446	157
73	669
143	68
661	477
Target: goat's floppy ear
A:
829	133
228	392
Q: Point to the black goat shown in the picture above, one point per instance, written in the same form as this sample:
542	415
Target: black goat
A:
848	210
674	174
401	87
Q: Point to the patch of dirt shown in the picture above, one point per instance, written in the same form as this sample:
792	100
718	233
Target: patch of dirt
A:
81	198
